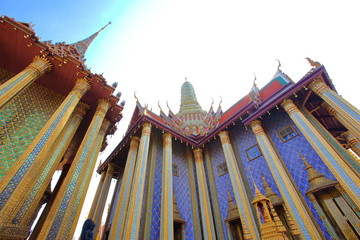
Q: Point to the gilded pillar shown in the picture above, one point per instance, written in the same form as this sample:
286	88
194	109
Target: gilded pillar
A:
291	198
118	223
99	210
242	200
346	113
45	212
194	195
97	196
323	216
205	206
23	79
342	119
353	142
213	196
167	228
24	185
132	226
62	219
112	204
345	176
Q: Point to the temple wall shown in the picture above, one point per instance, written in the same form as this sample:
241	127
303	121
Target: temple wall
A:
5	75
223	182
289	152
21	119
181	187
156	207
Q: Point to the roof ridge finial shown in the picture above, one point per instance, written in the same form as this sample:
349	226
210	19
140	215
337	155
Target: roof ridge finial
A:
159	106
104	27
137	100
312	63
82	46
279	64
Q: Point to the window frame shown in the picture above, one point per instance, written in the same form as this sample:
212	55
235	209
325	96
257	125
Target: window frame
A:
221	172
293	128
177	174
247	155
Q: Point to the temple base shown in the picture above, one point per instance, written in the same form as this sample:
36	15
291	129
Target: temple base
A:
13	232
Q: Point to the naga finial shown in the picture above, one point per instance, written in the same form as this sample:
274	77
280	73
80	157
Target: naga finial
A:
254	79
137	100
314	64
159	106
279	64
220	102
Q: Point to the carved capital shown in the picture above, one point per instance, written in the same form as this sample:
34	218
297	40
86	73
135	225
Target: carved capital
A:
198	154
81	109
318	86
104	126
40	65
167	140
134	144
328	108
224	137
257	128
289	106
110	169
146	130
103	107
81	87
103	174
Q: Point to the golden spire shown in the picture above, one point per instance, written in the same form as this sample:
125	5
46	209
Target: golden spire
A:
270	194
82	46
232	209
316	180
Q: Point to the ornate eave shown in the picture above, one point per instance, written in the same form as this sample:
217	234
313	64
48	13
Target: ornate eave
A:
16	56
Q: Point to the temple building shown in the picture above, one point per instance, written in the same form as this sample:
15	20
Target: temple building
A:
281	163
55	114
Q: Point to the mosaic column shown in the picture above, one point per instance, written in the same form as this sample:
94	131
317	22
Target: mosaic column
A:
205	206
213	196
194	195
97	196
167	224
345	176
45	212
348	115
57	151
132	226
242	201
102	199
291	198
353	142
118	223
113	201
352	128
21	187
62	219
23	79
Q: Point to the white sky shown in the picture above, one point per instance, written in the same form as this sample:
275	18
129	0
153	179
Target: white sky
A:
218	45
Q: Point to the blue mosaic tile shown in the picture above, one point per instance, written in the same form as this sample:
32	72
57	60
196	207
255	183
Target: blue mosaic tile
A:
289	151
223	183
181	187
